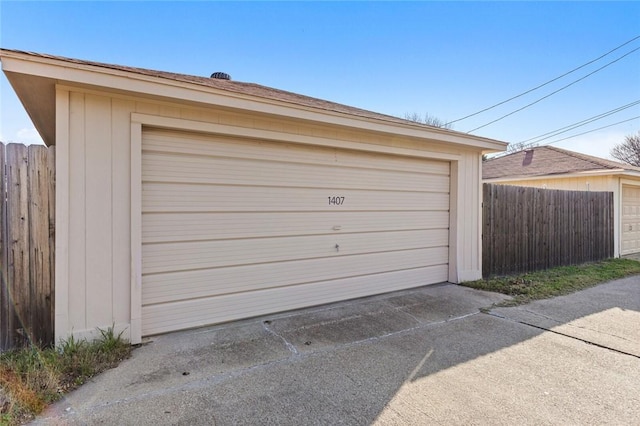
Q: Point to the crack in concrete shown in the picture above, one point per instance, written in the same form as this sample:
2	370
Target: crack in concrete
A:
221	378
570	324
542	316
288	344
565	335
419	326
409	314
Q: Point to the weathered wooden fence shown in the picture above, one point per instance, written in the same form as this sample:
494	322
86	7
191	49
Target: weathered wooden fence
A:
27	235
528	229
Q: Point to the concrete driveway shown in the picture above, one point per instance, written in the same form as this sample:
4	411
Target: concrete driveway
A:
419	357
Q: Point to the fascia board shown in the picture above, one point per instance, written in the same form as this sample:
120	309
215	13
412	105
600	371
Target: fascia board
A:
607	172
629	173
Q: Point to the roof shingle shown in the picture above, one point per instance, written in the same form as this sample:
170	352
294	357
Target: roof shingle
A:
239	87
547	160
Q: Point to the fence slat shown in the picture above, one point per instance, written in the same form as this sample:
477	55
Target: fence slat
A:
527	229
39	247
6	307
27	245
18	239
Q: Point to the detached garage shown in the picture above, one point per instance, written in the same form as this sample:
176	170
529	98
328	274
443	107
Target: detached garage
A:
184	201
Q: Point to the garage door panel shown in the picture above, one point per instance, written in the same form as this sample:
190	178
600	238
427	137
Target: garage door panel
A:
630	220
203	146
161	288
159	197
174	227
197	312
210	254
227	171
233	228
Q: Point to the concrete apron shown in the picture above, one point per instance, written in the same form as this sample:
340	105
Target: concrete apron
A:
424	356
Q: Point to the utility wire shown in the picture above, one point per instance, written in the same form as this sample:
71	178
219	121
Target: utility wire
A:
556	91
573	126
594	130
543	84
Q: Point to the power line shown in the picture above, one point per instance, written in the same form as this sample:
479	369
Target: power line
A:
581	123
544	84
594	130
556	91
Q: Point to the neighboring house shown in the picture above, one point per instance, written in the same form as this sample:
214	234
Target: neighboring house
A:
183	201
555	168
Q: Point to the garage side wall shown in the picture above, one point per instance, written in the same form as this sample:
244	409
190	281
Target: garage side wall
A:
94	273
466	218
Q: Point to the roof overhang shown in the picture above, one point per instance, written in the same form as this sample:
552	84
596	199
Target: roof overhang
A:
34	79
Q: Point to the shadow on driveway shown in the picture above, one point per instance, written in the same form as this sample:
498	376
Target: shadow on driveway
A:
423	356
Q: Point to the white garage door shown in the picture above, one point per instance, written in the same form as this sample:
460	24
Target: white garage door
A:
630	219
235	228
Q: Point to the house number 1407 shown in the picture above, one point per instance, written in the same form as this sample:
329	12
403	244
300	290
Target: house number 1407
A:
336	201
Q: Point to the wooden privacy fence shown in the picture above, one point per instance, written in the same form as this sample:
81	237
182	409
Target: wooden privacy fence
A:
529	229
27	217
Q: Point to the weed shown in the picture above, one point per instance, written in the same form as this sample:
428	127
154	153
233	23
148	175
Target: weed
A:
557	281
31	377
109	341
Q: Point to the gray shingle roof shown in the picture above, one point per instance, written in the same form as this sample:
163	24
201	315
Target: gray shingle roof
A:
240	88
547	160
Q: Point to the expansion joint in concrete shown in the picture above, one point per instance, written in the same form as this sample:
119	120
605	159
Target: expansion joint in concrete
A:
563	334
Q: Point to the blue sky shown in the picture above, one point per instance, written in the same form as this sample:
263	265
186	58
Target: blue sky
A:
448	59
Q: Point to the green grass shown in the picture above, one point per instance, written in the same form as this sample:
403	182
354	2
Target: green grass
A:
32	377
525	288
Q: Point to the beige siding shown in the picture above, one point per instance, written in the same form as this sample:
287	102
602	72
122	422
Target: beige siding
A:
98	211
77	216
61	299
469	201
95	281
121	210
98	254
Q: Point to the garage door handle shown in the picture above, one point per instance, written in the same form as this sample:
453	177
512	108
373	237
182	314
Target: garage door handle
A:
337	247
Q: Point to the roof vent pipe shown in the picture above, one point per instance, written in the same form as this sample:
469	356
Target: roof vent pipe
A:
221	76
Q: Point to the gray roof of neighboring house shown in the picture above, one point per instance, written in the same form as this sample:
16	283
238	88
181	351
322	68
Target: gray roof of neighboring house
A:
547	160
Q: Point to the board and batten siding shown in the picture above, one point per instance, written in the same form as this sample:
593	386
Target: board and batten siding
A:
99	164
93	236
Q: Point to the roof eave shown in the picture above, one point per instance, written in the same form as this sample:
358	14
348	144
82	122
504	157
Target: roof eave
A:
599	172
25	71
